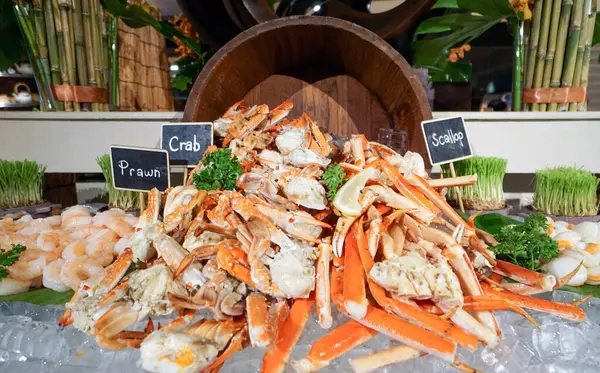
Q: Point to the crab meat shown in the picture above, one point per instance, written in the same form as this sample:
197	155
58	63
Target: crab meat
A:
164	352
414	276
305	157
306	192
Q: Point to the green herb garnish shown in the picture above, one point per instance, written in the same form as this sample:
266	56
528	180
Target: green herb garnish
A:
220	172
333	178
566	191
8	258
527	244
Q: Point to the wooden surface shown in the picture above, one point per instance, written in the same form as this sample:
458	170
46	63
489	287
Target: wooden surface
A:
313	49
340	104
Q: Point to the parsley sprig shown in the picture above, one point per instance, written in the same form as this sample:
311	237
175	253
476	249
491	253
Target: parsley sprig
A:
527	244
333	178
220	172
8	258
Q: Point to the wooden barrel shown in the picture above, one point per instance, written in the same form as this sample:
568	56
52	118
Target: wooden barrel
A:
345	77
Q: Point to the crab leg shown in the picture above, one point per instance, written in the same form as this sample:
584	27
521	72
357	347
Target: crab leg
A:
237	344
355	298
182	302
453	181
474	243
403	185
342	228
259	245
118	318
333	345
322	294
202	252
417	181
463	267
492	303
380	359
277	315
525	276
374	231
564	310
407	312
357	144
279	113
258	323
228	262
323	147
289	333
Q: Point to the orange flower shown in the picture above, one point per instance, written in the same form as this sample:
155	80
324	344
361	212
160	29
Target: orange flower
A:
457	54
522	6
182	24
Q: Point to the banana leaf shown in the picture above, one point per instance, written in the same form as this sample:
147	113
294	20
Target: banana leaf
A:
583	290
453	30
41	297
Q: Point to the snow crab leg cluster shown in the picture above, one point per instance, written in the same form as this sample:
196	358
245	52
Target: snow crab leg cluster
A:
388	252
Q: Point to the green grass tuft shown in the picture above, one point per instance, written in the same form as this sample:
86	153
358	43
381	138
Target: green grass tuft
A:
21	183
488	190
123	199
566	191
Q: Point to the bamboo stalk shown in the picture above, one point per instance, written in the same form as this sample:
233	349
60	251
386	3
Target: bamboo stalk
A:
533	43
96	48
563	29
88	47
114	62
519	50
549	64
587	8
542	47
571	49
65	11
52	48
82	74
27	27
40	33
102	20
61	50
587	55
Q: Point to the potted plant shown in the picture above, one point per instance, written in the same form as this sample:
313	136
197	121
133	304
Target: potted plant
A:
566	194
22	188
487	194
126	200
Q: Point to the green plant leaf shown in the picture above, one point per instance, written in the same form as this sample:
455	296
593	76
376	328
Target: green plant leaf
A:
135	16
432	53
41	297
583	290
181	82
447	4
13	48
455	72
596	37
493	223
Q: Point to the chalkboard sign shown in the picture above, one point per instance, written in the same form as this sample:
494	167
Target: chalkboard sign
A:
446	140
186	142
139	169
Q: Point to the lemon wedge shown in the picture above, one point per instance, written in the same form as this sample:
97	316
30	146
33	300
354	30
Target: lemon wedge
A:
346	199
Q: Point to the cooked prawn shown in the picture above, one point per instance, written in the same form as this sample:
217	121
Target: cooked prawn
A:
51	276
30	265
73	273
73	251
10	286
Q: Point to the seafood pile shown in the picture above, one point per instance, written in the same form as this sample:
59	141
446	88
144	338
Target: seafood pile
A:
579	246
387	251
63	250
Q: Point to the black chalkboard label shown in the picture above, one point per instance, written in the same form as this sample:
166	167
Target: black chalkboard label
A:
446	140
139	169
186	142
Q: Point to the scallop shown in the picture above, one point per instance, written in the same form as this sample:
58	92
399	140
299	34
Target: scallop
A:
593	276
567	239
562	266
587	230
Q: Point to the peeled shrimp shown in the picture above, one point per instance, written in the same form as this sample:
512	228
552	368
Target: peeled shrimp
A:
10	286
100	246
51	276
29	266
73	250
35	227
53	241
76	216
83	231
73	273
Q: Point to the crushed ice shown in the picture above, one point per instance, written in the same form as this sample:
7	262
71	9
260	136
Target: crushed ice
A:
31	341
